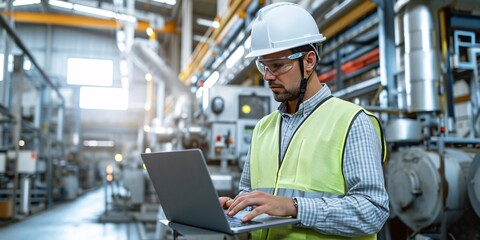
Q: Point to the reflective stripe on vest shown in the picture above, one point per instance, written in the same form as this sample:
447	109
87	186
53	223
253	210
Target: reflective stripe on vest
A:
298	193
313	162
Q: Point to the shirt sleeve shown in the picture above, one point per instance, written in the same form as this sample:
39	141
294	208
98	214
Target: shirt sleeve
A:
364	208
245	185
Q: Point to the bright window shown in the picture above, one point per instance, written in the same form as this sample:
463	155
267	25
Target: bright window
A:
94	72
10	64
104	98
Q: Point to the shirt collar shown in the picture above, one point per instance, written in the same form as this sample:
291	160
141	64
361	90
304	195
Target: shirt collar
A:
307	106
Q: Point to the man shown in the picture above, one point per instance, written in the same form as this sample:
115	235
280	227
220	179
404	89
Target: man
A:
317	158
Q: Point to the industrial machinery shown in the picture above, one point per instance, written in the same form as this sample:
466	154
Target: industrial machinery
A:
383	55
231	114
418	181
473	183
434	136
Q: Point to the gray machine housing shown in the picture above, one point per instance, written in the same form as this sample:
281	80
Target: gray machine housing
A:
232	112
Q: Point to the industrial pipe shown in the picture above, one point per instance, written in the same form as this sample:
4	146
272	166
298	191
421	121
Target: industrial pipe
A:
422	70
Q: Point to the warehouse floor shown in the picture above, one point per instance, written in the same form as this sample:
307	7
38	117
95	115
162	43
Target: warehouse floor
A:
73	220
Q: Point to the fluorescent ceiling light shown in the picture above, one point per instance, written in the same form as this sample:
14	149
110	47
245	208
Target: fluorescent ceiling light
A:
95	11
98	143
25	2
212	79
91	10
208	23
27	65
169	2
337	8
236	55
248	42
126	18
61	4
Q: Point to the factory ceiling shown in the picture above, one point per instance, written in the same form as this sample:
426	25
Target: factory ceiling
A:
163	16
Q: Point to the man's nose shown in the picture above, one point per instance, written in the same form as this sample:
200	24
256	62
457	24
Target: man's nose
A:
268	75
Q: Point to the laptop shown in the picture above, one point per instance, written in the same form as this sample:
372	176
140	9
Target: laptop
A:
187	195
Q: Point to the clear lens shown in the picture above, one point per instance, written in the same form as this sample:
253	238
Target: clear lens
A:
260	67
277	66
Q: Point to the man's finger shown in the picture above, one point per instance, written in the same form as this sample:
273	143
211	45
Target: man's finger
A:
251	215
239	204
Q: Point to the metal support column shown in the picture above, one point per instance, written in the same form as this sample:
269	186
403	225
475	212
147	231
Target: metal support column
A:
160	100
37	122
338	68
48	48
59	138
386	41
187	9
16	110
48	142
77	123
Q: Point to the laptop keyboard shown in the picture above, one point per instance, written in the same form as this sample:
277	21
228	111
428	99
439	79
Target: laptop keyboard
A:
237	222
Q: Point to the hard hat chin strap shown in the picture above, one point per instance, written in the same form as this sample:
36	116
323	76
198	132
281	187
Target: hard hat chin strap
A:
303	82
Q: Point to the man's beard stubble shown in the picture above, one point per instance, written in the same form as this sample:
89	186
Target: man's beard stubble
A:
287	95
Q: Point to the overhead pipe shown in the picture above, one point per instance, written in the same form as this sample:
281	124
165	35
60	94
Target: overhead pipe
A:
235	26
203	48
352	66
346	18
224	41
145	57
349	38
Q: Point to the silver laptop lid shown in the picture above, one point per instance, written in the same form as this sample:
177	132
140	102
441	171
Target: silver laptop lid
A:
185	189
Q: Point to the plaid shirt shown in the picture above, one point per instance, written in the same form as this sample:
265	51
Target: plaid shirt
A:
364	208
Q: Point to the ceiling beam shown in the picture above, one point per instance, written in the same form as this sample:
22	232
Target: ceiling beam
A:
82	21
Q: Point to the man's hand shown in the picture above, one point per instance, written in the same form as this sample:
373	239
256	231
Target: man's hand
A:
225	202
263	203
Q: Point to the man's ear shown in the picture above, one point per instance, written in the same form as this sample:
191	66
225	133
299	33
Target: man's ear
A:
310	61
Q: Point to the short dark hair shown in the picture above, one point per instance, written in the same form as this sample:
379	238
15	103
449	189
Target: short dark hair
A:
316	47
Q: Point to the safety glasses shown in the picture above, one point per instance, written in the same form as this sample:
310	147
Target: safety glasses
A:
278	66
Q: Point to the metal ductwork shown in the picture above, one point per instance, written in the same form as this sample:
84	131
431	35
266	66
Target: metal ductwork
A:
422	71
170	92
403	130
144	54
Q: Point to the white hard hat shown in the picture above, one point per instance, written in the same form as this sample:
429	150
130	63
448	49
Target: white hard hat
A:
282	26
